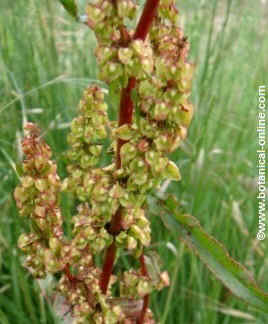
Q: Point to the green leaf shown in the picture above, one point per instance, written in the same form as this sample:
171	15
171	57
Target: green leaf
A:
71	7
215	256
3	318
153	265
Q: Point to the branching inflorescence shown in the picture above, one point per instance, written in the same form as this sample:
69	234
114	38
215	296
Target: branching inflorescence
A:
148	66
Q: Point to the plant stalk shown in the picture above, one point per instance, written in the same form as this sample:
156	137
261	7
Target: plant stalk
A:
125	117
146	298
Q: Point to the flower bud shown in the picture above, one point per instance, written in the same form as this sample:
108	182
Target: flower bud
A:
144	288
25	241
124	132
95	15
128	152
55	245
140	234
125	55
27	181
160	111
41	184
172	172
20	195
51	263
126	9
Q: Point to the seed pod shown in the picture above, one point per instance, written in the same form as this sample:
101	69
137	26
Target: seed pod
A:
95	15
126	9
140	234
128	152
51	263
172	172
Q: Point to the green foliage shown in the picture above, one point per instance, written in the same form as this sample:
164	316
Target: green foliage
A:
215	256
71	7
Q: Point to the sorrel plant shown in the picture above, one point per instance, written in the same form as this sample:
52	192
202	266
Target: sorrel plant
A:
147	72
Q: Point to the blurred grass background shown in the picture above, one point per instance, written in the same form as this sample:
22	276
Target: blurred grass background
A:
46	60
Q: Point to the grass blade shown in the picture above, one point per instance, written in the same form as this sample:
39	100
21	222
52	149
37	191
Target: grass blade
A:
71	7
214	255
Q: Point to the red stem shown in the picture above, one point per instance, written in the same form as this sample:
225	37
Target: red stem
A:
144	271
110	254
68	273
146	19
125	117
146	298
125	114
107	268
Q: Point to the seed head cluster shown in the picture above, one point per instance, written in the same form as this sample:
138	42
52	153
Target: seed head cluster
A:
162	115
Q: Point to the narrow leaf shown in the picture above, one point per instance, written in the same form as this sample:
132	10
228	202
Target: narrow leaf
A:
215	256
71	7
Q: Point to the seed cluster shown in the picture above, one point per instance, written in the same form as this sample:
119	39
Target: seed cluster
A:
161	118
37	198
